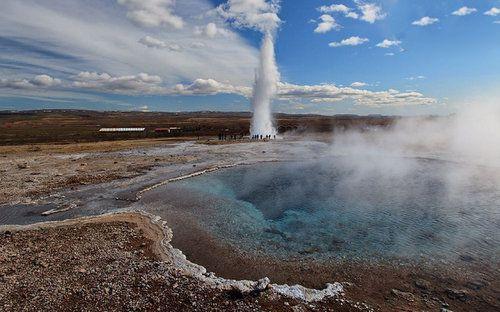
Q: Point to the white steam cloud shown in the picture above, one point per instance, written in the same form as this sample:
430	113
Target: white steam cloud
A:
265	88
260	15
468	141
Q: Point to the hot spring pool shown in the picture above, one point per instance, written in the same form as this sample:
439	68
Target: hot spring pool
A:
332	209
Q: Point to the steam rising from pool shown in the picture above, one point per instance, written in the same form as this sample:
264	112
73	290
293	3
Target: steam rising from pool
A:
424	188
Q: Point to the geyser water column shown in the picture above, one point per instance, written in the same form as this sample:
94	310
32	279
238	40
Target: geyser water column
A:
260	15
265	88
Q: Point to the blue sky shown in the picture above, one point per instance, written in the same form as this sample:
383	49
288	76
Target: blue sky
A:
367	57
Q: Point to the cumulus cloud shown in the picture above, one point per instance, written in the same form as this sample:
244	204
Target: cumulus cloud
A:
365	11
388	43
464	11
152	13
358	84
339	8
132	84
352	41
425	21
370	12
493	12
324	93
153	85
327	23
39	81
151	42
261	15
210	87
45	81
334	8
211	30
330	93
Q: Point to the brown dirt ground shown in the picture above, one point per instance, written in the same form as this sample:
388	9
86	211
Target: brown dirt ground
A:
113	263
385	287
32	170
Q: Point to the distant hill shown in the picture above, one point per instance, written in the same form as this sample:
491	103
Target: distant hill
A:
64	126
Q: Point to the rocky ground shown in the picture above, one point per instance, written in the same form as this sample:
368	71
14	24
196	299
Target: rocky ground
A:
29	171
114	263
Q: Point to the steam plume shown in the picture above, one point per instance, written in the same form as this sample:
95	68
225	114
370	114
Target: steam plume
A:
260	15
265	87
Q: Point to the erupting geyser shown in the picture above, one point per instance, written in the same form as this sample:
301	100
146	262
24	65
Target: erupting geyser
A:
265	87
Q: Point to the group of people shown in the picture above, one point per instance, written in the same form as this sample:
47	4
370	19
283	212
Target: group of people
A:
224	136
263	137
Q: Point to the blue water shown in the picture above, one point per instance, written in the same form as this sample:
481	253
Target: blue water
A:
333	210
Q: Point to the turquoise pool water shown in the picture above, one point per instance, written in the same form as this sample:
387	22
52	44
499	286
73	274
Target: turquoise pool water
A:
332	209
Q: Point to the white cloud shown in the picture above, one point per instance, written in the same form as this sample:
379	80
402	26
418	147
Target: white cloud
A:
496	22
425	21
464	11
153	85
211	30
39	81
104	40
330	93
493	12
151	42
152	13
143	108
353	15
416	77
366	11
390	54
210	87
45	81
131	84
388	43
198	45
370	12
352	41
327	23
339	8
334	8
261	15
358	84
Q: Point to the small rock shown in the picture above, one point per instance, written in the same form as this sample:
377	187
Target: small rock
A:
422	284
466	258
44	264
454	294
262	284
476	285
22	166
403	295
7	234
